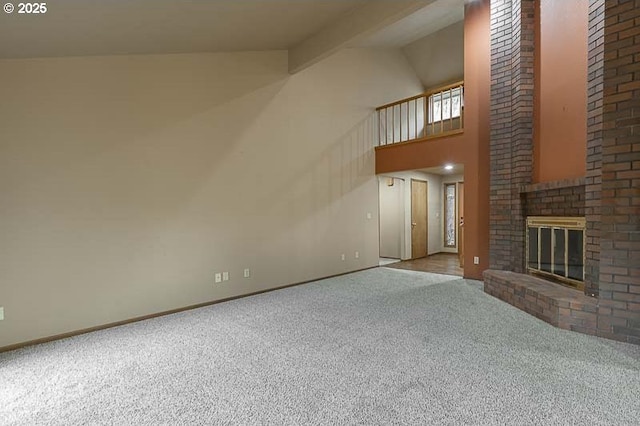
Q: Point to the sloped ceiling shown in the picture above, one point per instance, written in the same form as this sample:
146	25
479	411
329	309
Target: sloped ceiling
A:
91	27
438	58
309	29
428	20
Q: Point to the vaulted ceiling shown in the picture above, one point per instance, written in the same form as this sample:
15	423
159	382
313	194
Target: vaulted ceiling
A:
309	29
91	27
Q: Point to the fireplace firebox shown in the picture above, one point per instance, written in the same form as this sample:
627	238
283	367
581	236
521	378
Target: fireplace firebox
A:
556	248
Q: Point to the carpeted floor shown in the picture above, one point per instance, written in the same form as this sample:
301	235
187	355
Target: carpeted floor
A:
381	346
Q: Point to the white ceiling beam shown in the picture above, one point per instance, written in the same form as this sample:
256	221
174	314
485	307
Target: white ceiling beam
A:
373	16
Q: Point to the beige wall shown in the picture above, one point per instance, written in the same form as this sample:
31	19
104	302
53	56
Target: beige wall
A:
128	181
439	57
391	217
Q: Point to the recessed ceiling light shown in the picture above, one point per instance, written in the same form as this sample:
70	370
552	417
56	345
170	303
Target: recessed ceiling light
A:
448	167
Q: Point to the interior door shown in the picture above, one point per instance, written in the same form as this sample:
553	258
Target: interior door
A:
418	219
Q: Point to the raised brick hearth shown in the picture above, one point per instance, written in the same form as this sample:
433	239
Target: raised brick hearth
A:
558	305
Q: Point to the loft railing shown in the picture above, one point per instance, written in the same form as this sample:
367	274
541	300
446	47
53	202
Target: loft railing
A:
436	113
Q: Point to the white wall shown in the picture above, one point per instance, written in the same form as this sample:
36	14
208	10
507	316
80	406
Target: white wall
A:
392	218
128	181
439	57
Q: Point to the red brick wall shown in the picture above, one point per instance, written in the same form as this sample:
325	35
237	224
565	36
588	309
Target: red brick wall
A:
500	195
593	180
511	140
619	284
566	200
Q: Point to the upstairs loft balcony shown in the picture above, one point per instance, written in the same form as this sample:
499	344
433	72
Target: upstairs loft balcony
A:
434	114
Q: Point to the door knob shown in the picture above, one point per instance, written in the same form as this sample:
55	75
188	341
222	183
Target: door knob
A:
414	224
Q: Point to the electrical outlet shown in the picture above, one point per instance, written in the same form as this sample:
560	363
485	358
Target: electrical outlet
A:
476	260
369	216
343	257
225	276
1	313
218	277
247	273
357	255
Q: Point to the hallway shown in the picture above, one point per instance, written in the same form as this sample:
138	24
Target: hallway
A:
439	263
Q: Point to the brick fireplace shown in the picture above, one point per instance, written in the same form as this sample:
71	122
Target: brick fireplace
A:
608	196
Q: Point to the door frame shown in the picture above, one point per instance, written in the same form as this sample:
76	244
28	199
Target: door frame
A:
426	218
460	195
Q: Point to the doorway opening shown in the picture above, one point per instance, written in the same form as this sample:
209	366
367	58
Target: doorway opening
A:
422	220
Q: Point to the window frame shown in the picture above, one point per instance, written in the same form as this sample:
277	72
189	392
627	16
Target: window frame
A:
454	213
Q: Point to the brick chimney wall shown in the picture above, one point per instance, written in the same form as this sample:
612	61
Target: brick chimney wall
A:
609	194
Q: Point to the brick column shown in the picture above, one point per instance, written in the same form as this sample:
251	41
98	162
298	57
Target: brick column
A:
500	137
619	304
522	51
594	145
511	143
